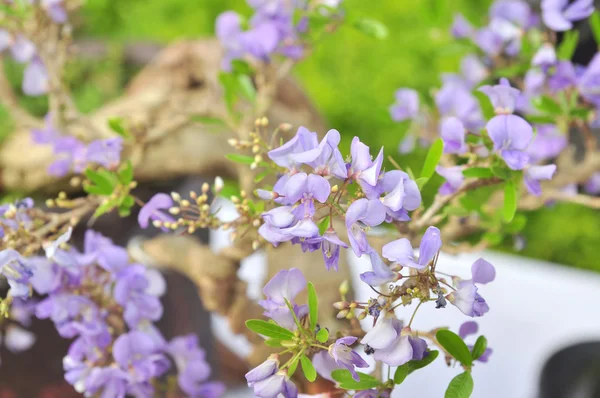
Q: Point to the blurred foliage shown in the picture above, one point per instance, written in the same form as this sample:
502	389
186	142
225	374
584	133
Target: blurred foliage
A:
350	77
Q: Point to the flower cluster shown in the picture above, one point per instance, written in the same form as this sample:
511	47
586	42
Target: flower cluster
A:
272	30
304	198
108	306
23	51
74	155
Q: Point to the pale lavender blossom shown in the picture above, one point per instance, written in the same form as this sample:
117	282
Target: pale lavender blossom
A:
592	186
406	106
545	57
381	273
589	82
548	143
285	285
362	214
469	328
466	297
454	179
563	77
453	133
303	141
559	15
455	99
326	159
533	176
461	27
401	252
401	194
363	168
325	364
152	210
35	78
346	356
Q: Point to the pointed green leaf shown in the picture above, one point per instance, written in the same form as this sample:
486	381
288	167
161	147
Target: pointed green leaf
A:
322	335
510	201
455	346
207	120
292	367
246	87
345	380
401	373
117	124
433	158
502	172
126	173
479	347
105	208
243	159
594	22
478	172
418	364
547	105
273	343
307	367
269	329
484	103
313	306
261	176
567	47
324	224
460	387
372	28
103	181
421	182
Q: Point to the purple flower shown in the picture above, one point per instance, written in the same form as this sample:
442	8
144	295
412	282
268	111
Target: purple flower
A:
533	176
401	194
362	214
592	186
391	345
510	134
326	159
545	57
465	297
56	10
453	133
72	315
454	179
303	141
563	77
71	153
131	292
105	152
22	49
468	328
275	221
514	11
192	368
285	285
330	245
305	189
407	145
274	385
406	106
16	271
473	71
490	42
589	82
35	78
401	252
47	134
362	168
16	339
325	364
151	210
263	371
136	353
559	15
346	356
372	393
547	144
381	273
461	28
100	250
455	99
110	380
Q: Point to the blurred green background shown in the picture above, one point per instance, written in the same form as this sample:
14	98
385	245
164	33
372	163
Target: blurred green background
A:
350	77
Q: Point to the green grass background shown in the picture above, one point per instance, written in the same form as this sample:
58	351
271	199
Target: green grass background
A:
350	77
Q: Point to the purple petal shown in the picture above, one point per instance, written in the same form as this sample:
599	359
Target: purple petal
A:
397	353
515	160
151	210
382	335
483	272
468	328
285	285
400	251
35	79
381	273
431	243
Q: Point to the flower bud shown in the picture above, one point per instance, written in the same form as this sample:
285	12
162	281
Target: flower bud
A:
340	305
344	288
264	121
205	187
335	188
174	210
342	314
233	142
362	315
176	197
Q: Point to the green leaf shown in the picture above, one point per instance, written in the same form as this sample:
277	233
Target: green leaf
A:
502	172
517	224
324	224
401	373
421	182
433	157
126	173
419	364
291	308
246	87
581	113
478	172
547	105
494	238
117	124
486	106
594	22
307	367
479	347
567	47
345	380
243	159
273	343
313	306
292	367
510	201
207	120
105	208
540	119
261	176
455	346
229	83
241	67
455	211
460	387
269	329
103	182
322	335
372	28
